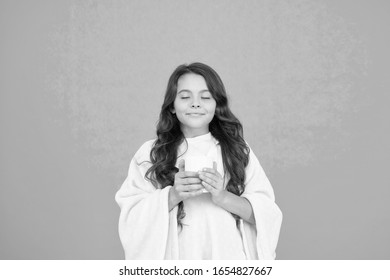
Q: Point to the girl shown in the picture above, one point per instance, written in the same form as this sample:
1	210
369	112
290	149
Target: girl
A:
224	212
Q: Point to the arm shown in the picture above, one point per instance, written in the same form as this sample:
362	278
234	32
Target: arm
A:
144	222
261	238
236	205
213	182
256	206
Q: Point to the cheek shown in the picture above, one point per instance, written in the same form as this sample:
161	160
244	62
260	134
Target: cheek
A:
212	108
178	105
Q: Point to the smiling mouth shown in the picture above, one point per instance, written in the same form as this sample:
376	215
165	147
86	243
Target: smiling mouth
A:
195	114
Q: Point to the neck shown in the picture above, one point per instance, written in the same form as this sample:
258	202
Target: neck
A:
194	132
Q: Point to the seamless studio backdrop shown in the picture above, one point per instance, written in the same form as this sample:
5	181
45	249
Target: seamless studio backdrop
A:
82	83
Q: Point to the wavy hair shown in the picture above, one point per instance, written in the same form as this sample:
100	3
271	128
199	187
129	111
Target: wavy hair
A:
225	127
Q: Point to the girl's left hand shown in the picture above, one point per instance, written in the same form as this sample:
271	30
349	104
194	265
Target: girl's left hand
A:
212	181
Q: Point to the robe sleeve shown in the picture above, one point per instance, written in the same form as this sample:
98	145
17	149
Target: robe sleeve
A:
260	240
147	229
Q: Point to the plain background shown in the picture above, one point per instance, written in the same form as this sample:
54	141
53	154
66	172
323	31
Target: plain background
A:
82	83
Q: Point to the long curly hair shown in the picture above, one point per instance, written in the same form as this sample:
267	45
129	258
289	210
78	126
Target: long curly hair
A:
225	127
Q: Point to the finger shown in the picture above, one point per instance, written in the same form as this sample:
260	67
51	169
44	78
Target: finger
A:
181	165
193	187
185	174
189	181
211	171
215	165
208	187
209	177
189	188
211	182
192	194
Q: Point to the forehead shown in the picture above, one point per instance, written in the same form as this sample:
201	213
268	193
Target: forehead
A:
191	81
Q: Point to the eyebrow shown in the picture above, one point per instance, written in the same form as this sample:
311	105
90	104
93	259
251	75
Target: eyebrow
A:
187	90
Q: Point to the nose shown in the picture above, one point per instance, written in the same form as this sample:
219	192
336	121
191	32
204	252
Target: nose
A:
195	103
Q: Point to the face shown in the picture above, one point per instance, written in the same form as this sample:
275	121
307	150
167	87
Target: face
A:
194	105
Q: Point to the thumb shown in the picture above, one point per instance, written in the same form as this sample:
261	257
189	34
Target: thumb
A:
181	165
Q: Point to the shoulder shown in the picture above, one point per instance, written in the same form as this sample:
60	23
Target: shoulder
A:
253	160
143	153
250	151
255	174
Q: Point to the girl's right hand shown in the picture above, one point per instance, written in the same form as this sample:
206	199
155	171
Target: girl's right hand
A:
187	184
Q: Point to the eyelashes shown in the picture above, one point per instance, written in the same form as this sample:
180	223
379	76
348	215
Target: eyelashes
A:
184	97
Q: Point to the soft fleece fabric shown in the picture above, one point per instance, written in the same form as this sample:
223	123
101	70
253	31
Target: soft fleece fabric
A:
148	230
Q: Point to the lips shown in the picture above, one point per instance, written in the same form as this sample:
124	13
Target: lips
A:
195	114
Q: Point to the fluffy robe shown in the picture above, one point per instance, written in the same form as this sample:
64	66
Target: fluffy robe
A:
148	230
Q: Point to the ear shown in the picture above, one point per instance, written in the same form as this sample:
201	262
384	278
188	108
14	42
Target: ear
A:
173	111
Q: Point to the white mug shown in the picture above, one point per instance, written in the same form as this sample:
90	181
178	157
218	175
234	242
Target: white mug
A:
197	163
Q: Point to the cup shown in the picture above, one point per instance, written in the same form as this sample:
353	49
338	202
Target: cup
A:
197	163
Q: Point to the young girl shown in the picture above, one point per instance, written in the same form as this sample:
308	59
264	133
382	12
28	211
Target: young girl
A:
224	212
